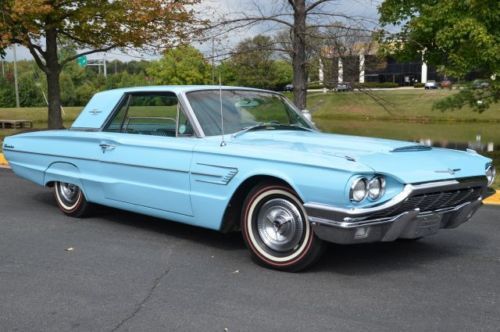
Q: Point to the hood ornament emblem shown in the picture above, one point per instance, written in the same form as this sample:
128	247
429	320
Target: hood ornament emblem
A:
95	111
450	171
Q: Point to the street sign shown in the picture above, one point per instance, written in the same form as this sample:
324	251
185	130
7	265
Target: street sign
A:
82	61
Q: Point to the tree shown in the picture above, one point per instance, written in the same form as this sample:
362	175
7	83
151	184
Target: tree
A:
253	63
45	26
459	37
181	65
298	17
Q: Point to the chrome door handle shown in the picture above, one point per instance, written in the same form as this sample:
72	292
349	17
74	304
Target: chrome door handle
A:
107	147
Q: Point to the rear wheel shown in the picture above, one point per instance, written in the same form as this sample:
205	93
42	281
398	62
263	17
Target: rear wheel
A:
70	199
276	230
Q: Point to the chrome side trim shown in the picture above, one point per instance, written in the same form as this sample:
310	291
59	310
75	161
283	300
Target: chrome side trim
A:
101	161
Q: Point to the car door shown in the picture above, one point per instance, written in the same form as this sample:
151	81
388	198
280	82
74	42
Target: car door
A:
146	151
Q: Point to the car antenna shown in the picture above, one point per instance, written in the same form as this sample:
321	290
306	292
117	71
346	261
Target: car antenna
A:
223	142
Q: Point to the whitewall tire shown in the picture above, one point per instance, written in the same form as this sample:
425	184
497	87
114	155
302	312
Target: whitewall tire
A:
276	230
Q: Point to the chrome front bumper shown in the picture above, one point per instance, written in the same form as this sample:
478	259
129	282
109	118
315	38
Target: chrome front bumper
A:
407	225
349	226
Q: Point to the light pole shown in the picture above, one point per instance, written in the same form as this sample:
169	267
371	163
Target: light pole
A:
16	86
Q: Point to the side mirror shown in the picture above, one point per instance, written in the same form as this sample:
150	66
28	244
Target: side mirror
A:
307	115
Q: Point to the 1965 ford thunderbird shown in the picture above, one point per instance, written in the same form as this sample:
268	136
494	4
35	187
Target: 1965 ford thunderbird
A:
230	159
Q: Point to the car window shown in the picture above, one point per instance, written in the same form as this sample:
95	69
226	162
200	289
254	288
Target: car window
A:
150	114
240	109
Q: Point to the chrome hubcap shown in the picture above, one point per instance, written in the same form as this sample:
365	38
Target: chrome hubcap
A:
69	192
280	225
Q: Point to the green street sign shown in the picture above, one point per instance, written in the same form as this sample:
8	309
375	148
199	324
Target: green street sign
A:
82	61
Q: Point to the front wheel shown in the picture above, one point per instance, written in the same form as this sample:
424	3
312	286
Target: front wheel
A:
71	200
276	230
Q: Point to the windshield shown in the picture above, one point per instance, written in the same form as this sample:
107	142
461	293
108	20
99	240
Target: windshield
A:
242	109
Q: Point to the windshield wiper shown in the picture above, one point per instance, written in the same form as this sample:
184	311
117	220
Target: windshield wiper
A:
265	125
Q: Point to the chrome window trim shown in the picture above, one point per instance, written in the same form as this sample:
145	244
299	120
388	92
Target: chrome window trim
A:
189	112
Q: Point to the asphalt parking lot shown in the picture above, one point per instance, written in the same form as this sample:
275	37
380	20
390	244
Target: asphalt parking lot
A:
119	271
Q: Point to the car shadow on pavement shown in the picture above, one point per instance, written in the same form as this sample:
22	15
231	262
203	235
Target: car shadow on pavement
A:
374	258
230	241
360	259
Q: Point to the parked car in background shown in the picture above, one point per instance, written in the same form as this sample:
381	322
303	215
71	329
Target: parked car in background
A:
480	84
446	84
342	87
240	159
288	87
431	85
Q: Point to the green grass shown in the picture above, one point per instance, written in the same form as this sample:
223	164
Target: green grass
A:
38	115
414	105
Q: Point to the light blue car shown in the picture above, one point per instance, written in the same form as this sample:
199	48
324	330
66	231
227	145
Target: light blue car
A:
231	159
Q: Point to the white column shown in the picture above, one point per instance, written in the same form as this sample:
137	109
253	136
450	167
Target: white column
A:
361	68
321	75
424	73
341	71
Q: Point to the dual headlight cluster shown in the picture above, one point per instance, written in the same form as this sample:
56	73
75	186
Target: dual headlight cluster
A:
363	188
490	174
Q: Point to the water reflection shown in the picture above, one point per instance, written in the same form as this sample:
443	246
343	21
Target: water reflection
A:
476	145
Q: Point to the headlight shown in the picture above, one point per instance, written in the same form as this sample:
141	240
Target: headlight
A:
358	190
490	174
376	187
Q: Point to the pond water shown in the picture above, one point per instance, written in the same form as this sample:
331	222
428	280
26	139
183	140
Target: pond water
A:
479	134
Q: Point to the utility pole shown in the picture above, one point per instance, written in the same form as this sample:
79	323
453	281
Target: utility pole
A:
213	60
16	87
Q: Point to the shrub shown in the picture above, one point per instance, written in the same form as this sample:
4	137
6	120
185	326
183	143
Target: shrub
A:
371	85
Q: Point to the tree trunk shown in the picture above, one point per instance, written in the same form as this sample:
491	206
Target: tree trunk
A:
299	55
53	87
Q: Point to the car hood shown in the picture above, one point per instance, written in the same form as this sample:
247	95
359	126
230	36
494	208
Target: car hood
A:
408	162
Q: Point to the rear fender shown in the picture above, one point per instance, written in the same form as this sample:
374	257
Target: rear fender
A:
63	172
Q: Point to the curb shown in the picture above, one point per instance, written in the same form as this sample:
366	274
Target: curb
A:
3	161
492	200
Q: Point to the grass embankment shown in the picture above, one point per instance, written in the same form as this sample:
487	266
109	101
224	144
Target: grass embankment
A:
395	105
38	115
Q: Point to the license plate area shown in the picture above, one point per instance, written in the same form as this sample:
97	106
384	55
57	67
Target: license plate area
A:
428	224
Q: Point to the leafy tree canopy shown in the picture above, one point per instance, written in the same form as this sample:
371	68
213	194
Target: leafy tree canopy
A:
253	64
459	37
43	26
181	65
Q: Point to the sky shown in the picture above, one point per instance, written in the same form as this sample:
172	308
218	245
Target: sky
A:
366	9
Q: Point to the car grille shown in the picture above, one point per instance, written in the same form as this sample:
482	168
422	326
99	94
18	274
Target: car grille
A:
433	201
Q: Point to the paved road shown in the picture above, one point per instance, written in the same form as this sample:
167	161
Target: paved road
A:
133	273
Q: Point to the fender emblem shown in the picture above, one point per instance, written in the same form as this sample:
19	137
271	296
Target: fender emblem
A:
449	171
95	111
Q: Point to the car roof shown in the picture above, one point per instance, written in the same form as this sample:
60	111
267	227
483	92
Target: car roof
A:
180	88
100	106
